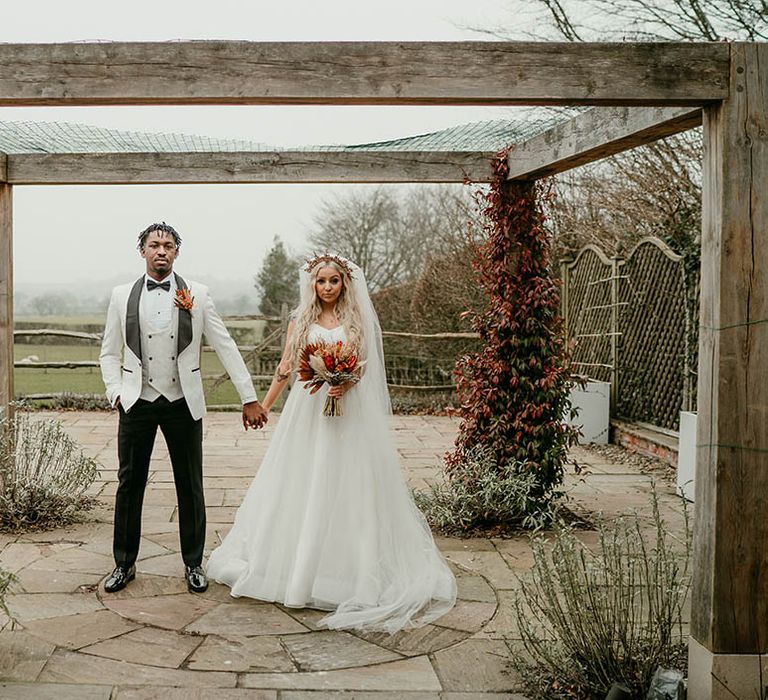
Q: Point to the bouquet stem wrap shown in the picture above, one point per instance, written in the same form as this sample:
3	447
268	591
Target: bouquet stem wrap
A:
332	406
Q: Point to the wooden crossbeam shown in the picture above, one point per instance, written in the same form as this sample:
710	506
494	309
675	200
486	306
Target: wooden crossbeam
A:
261	167
596	134
396	73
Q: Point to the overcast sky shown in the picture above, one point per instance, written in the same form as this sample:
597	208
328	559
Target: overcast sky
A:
65	234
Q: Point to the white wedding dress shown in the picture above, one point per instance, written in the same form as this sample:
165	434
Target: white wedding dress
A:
328	522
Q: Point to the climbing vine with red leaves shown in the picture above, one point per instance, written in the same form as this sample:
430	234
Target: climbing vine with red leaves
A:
514	393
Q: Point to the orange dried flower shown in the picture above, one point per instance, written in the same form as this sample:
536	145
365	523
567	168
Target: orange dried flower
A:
184	299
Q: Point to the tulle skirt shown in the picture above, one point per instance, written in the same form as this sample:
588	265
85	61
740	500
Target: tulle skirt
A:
329	523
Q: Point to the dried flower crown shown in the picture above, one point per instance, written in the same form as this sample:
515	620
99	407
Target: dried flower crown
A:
327	257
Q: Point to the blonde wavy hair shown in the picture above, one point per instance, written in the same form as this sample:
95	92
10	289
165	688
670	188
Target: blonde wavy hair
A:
347	312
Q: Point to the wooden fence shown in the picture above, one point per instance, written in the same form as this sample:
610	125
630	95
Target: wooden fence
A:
261	358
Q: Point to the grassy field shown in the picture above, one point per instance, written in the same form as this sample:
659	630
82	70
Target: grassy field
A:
87	380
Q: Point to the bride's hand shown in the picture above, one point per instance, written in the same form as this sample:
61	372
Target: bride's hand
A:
339	390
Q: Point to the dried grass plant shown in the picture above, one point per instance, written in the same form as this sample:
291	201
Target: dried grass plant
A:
589	619
44	475
7	581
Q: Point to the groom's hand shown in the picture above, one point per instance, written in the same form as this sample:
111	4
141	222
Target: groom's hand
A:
254	415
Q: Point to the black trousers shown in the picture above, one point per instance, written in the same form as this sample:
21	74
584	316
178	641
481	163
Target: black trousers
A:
135	440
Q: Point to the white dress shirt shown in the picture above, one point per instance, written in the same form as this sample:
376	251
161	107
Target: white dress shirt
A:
160	374
157	305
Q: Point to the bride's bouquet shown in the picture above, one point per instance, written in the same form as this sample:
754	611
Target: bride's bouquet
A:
332	363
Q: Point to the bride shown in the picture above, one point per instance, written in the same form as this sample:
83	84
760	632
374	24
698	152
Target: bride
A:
328	522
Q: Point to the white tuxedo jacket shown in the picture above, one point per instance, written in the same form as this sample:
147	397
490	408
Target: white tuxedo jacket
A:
120	356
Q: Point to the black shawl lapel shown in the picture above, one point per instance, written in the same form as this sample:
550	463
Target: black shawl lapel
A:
132	325
185	320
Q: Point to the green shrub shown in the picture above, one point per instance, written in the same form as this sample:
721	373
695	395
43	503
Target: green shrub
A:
587	619
480	495
43	475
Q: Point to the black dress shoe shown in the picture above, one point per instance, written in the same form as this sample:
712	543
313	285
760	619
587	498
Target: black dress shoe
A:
197	581
119	578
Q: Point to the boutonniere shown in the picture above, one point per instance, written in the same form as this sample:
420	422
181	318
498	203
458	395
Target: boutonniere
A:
184	299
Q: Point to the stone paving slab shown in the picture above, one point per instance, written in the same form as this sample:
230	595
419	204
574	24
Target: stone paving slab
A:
44	581
148	645
125	693
475	588
172	612
54	691
411	674
156	640
84	629
490	564
242	654
423	640
473	664
241	617
25	607
467	616
71	667
359	695
22	656
331	650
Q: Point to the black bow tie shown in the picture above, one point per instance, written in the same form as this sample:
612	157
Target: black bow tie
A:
151	284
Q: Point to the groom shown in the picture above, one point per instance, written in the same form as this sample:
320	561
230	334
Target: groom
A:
150	363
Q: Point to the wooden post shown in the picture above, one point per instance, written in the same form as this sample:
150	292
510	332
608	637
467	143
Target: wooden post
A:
6	300
283	324
565	279
616	263
284	320
729	618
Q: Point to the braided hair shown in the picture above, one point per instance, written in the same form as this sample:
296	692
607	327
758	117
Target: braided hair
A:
164	228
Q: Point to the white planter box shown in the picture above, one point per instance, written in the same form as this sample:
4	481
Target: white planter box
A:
686	455
593	404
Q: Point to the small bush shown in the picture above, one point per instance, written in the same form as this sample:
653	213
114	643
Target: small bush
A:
43	475
588	620
414	403
481	495
68	401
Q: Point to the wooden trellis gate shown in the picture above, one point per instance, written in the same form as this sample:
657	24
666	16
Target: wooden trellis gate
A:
629	324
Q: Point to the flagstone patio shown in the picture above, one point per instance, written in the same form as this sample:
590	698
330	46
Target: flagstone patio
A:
154	639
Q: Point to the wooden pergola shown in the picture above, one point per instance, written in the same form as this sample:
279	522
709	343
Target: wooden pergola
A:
652	90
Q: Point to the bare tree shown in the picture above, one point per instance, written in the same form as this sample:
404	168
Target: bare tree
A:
651	191
363	225
392	232
676	20
638	20
656	189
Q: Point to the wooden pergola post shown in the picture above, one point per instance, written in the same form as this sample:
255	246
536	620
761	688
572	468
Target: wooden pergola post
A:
6	299
729	626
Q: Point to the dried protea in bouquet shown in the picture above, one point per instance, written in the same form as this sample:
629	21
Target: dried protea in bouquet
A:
331	363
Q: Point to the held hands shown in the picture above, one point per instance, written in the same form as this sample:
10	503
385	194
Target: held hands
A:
254	415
